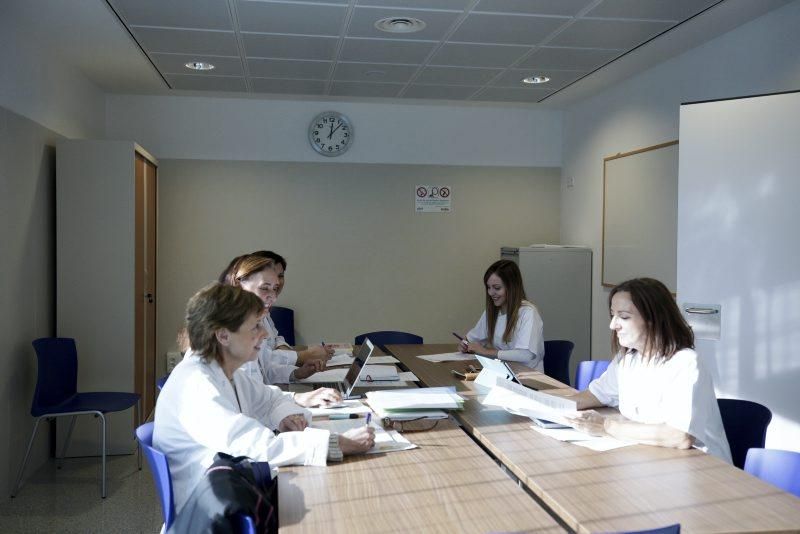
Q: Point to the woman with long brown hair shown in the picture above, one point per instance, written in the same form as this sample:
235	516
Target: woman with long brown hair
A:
510	327
661	386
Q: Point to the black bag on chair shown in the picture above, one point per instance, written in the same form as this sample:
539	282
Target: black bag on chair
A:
232	488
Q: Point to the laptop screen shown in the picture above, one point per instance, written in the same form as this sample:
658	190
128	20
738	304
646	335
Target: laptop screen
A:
361	356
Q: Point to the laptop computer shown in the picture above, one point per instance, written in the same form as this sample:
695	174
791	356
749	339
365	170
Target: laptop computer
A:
360	357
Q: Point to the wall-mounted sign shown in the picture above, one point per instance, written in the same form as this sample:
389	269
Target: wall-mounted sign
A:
433	198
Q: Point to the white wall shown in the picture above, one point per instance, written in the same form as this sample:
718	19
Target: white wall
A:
274	130
738	247
758	57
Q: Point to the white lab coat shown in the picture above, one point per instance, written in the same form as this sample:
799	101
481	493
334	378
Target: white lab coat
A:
678	392
527	341
198	415
273	366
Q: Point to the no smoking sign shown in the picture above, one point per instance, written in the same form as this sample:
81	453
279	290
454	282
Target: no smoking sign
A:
433	199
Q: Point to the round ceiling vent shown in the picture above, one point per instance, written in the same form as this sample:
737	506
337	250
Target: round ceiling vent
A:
199	65
400	25
536	79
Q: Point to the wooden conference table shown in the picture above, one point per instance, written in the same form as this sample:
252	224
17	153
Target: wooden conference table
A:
630	488
448	484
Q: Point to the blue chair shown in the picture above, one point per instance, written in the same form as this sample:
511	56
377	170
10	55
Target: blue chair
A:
779	468
56	395
670	529
745	424
159	467
389	337
588	371
161	381
284	322
556	359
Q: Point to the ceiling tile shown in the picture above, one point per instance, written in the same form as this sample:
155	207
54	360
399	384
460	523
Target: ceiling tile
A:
558	78
192	82
288	87
511	29
599	33
568	8
176	64
386	51
475	55
675	10
199	14
569	58
306	19
447	92
213	43
285	68
374	72
504	94
437	23
386	90
289	46
457	5
456	76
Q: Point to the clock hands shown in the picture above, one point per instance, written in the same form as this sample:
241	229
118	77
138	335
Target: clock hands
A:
334	130
331	132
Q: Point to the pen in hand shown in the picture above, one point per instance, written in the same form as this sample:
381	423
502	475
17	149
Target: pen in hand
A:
459	337
369	418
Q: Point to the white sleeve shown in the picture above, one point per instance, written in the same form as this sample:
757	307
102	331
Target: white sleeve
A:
517	355
478	332
606	387
681	410
528	336
275	370
284	356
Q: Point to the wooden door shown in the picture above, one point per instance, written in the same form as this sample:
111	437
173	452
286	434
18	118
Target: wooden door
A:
145	283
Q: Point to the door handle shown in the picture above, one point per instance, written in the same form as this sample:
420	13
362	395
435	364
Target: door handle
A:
149	297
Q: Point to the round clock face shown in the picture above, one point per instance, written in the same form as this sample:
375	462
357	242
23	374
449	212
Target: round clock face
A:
330	133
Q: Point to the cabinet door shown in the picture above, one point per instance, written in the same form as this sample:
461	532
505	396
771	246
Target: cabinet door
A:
145	283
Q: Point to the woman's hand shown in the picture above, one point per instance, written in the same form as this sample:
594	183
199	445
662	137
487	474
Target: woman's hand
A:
318	397
357	440
463	345
309	368
316	352
589	422
473	348
295	422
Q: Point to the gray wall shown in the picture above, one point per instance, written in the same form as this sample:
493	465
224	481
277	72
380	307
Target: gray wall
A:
359	258
27	280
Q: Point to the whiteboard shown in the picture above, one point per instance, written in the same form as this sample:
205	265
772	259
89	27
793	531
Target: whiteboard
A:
640	215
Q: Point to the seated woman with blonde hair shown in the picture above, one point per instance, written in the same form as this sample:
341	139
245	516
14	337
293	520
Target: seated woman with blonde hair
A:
662	388
207	407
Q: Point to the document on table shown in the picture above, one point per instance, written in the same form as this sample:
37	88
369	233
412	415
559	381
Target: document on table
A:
383	359
570	435
448	357
385	440
328	375
417	399
340	359
403	382
524	401
345	407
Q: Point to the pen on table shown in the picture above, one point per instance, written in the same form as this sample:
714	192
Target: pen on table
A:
369	418
343	416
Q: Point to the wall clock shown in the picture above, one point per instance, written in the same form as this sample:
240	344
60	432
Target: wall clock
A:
330	133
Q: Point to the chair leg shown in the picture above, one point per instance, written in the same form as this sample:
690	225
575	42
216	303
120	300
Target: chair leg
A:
60	459
25	461
103	432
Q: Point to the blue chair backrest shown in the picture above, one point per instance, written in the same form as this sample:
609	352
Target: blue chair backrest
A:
556	359
779	468
284	322
245	524
161	381
745	425
159	467
57	375
588	371
670	529
390	337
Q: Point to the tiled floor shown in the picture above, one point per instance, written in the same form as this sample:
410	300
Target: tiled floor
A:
68	499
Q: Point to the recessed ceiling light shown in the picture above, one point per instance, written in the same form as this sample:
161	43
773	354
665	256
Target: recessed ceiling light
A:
536	79
400	25
199	65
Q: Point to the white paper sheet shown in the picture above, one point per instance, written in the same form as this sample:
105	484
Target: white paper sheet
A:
340	359
383	359
385	440
345	407
570	435
448	357
328	375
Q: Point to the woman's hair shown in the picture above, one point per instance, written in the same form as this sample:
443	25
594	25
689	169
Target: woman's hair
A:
666	330
509	273
228	275
243	266
274	256
214	307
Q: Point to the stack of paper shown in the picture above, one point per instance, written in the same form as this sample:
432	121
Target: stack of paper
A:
415	403
377	373
524	401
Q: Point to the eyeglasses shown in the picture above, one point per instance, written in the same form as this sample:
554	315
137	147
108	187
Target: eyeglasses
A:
420	424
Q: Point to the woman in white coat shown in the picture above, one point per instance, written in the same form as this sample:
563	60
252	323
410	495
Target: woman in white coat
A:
510	327
207	407
662	388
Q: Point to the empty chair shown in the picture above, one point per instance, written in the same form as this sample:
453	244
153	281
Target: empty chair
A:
56	395
390	337
745	424
159	467
670	529
284	322
556	359
779	468
161	381
588	371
